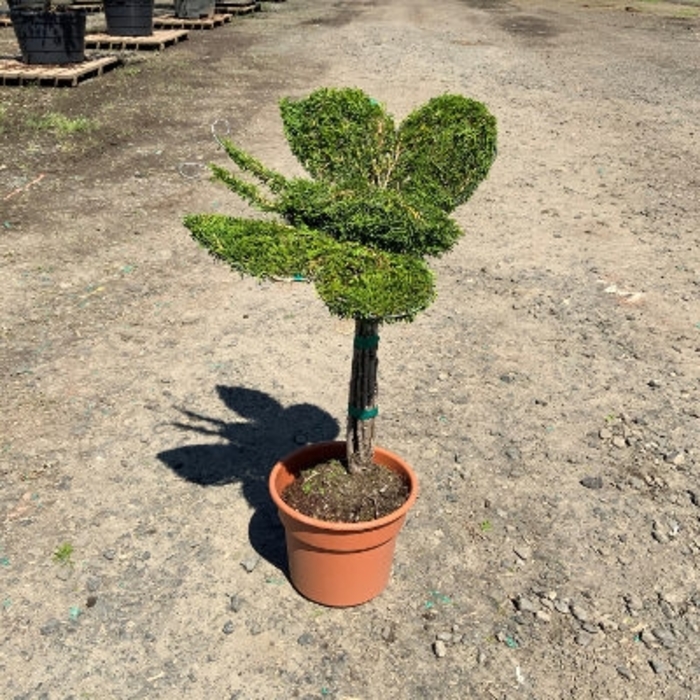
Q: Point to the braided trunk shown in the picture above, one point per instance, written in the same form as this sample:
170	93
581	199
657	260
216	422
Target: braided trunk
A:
362	403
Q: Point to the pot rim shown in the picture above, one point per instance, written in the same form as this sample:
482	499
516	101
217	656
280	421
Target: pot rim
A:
339	526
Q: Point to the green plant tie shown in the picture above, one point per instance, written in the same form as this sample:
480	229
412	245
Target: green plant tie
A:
363	413
366	342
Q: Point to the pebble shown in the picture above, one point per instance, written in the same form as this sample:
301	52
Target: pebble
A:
648	638
666	637
543	616
51	626
619	442
583	639
439	648
634	603
657	666
64	573
605	434
561	606
250	562
676	458
228	628
526	605
625	672
92	584
305	639
523	551
592	482
389	633
235	603
579	613
109	554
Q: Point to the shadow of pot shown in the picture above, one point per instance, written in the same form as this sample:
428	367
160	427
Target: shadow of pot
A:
338	564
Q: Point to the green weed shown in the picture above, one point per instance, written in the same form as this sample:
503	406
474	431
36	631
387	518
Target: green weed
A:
62	125
63	554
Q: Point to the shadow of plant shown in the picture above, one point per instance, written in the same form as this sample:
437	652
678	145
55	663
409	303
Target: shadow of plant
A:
264	432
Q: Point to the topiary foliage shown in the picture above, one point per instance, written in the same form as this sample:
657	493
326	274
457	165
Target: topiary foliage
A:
376	204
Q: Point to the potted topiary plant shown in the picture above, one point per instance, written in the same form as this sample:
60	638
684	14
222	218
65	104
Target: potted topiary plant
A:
375	206
48	31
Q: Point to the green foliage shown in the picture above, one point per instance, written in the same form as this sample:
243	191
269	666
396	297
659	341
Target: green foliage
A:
446	149
376	204
61	125
353	280
341	136
63	554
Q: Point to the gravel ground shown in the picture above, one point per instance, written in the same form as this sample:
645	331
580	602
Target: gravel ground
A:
548	400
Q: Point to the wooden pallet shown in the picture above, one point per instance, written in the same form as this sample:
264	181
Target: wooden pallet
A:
237	7
89	7
160	39
172	22
13	72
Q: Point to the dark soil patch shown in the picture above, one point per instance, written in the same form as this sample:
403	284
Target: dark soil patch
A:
328	492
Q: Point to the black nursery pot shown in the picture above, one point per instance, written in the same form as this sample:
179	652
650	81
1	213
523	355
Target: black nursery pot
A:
129	17
194	9
50	37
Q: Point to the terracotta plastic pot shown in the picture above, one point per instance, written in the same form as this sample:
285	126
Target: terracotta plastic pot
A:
338	564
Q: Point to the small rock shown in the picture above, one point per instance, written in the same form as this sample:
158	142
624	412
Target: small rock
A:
654	384
250	562
583	639
666	637
235	603
388	633
513	453
523	551
439	648
561	606
543	616
634	603
676	458
625	672
228	628
579	613
92	584
305	639
648	638
109	554
526	605
51	626
605	434
64	573
658	667
91	601
445	637
592	482
619	442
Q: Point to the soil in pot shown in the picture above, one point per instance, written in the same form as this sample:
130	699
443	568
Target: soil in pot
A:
328	492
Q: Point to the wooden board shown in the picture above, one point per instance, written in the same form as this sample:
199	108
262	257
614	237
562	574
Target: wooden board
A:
160	39
172	22
14	72
87	6
237	7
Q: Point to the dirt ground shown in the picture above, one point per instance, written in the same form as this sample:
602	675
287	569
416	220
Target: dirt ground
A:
549	399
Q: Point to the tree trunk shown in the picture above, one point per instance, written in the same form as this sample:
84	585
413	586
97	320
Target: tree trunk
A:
362	403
